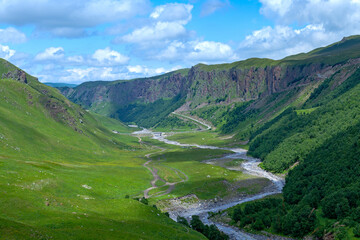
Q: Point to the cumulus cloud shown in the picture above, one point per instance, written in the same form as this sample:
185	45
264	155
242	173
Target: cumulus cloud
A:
76	59
334	15
11	35
102	57
69	18
79	75
282	41
167	22
173	12
6	52
197	51
157	32
51	53
211	6
146	71
211	51
320	22
102	64
109	57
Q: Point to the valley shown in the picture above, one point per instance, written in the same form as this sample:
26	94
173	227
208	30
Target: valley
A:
257	148
250	167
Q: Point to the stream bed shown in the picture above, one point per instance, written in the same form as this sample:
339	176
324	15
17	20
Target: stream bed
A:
249	166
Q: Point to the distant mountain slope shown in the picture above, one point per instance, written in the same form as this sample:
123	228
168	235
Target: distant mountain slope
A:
216	85
64	175
55	85
317	142
300	115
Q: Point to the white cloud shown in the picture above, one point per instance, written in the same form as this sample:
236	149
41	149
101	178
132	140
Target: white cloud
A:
301	25
100	58
159	31
212	51
334	15
69	18
167	39
281	41
76	59
11	35
211	6
145	71
6	52
109	57
197	51
173	12
51	53
90	74
280	7
167	22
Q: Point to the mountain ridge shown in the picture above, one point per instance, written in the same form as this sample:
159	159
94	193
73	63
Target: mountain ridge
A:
206	85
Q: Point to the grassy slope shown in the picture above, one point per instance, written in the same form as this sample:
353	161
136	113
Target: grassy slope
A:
66	178
320	133
203	138
175	123
294	136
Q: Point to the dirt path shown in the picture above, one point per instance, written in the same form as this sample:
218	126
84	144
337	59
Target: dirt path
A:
193	119
156	178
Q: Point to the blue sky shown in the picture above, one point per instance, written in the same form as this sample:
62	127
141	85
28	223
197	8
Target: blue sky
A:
77	41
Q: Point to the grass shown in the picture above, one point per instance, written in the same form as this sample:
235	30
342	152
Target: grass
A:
204	180
64	175
305	111
202	138
113	124
234	163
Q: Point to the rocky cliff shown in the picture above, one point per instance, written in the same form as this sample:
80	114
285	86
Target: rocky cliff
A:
204	85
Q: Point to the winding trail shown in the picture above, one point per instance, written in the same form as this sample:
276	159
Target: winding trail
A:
156	178
250	166
193	119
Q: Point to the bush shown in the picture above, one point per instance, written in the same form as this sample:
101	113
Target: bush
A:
356	230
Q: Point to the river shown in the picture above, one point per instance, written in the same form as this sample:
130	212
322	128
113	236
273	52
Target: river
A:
250	166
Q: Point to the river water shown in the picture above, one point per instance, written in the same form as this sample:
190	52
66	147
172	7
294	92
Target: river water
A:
250	166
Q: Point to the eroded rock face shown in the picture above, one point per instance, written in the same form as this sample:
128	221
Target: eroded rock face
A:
125	92
18	75
203	84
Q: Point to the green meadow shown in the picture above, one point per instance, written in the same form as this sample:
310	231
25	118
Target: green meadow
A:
65	175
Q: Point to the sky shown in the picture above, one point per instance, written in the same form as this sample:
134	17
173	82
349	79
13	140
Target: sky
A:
86	40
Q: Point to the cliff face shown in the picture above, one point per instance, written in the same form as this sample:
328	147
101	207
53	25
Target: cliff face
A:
199	85
122	93
245	84
226	83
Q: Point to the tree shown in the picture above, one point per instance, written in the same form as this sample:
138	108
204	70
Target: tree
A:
357	230
237	214
183	221
144	201
258	225
197	224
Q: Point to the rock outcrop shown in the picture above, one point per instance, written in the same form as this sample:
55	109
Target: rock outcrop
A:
18	75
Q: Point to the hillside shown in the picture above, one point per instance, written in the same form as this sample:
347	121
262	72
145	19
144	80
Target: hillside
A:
300	115
58	85
213	86
65	175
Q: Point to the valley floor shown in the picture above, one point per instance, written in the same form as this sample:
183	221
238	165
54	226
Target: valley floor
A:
190	179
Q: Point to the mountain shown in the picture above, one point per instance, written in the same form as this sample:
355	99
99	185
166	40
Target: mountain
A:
300	115
204	86
55	85
65	175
